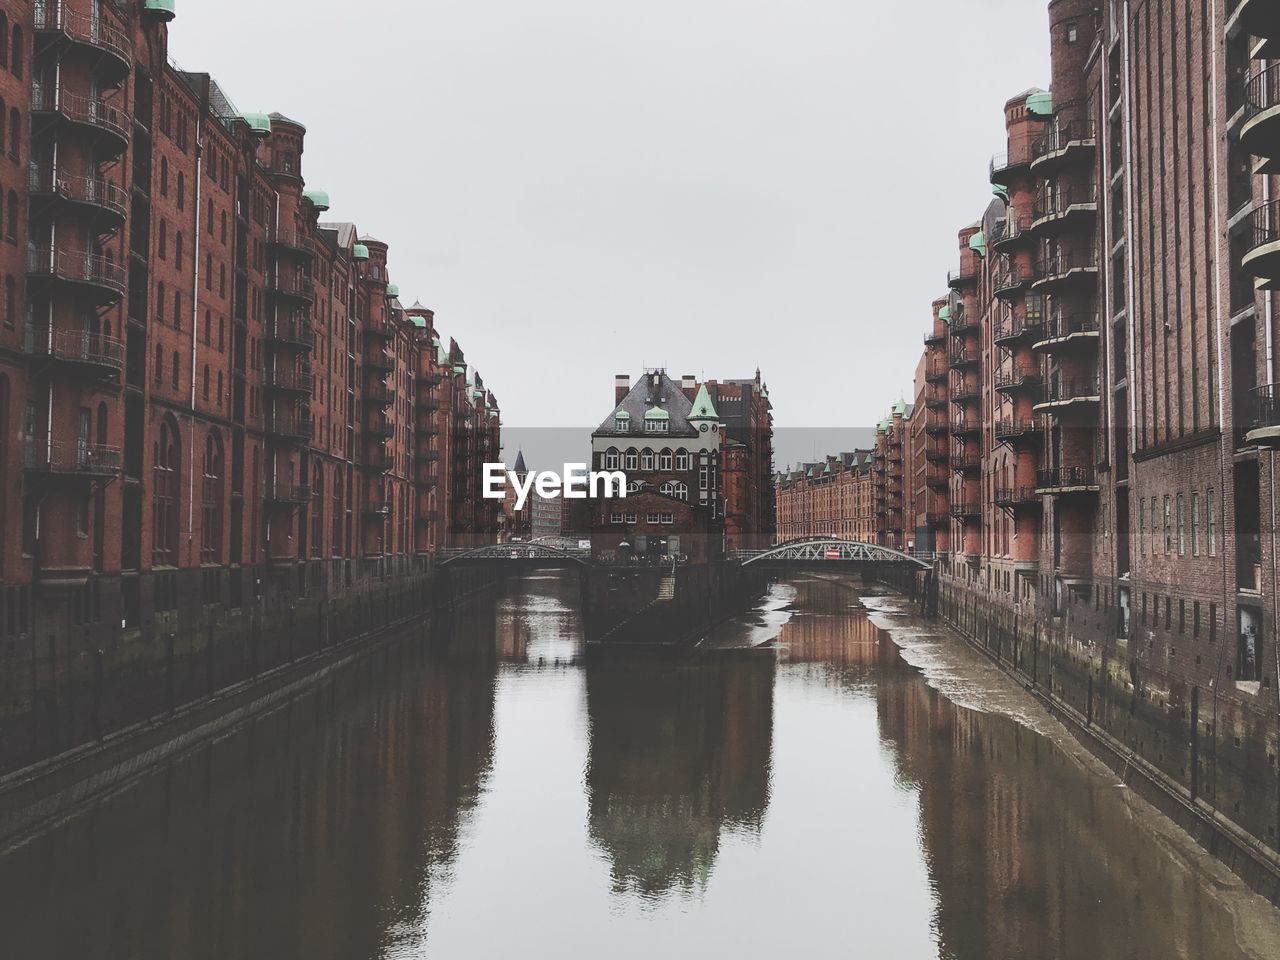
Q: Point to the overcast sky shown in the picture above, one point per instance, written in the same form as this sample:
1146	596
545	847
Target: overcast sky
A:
580	188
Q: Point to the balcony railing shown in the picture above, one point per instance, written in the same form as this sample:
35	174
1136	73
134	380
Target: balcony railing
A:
1008	381
91	191
77	266
965	462
963	357
79	347
54	16
290	425
1263	256
1010	279
936	372
1056	202
293	381
932	338
380	329
380	427
966	509
1016	496
292	240
1064	263
71	458
379	460
1013	428
1262	91
78	108
1065	391
1060	327
1010	329
296	333
966	393
966	427
287	493
1003	165
1062	478
1265	429
293	287
379	393
1016	230
962	277
379	363
1064	136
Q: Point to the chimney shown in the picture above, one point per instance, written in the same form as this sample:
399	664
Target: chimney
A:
621	387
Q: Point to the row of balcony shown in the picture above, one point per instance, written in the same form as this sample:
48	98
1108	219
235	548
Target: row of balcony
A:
99	278
100	200
55	21
109	124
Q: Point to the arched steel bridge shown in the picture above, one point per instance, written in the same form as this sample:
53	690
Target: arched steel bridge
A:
530	552
827	550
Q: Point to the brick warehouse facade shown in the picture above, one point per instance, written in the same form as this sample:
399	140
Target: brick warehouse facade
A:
1100	382
212	397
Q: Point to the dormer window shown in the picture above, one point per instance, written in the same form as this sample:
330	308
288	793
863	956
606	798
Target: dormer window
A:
656	426
622	423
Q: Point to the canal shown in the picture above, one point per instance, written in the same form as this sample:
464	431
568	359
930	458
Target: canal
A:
864	786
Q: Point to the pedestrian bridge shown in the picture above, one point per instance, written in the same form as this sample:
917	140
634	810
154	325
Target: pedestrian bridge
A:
829	551
551	552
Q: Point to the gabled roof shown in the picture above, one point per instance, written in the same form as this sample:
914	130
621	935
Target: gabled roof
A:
346	233
652	391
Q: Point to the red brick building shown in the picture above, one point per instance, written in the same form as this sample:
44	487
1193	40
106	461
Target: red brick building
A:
829	498
1100	381
212	394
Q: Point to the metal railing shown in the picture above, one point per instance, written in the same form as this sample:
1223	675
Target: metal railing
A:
1018	155
1059	391
963	509
90	190
966	426
286	379
277	492
1008	496
1063	262
1264	223
1012	427
76	346
76	266
1059	477
961	463
1016	379
296	332
1063	135
299	288
961	357
1262	90
293	425
55	15
1011	277
81	109
1266	400
1055	201
1057	327
71	457
292	239
1013	327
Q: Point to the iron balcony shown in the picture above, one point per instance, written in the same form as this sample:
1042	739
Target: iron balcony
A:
1012	429
292	242
71	458
110	126
1265	430
1010	497
1065	145
1069	332
1011	281
1060	208
92	353
100	200
1007	167
1261	18
966	463
1067	393
1063	480
962	277
101	279
1262	258
111	48
1011	330
1066	267
290	333
287	494
1260	133
379	362
284	380
961	357
966	510
966	393
966	427
293	288
290	425
1014	234
1015	381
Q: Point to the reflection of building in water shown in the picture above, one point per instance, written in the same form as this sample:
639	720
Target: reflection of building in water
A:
316	831
678	753
1018	839
539	618
831	628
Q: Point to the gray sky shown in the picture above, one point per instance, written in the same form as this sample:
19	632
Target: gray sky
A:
582	187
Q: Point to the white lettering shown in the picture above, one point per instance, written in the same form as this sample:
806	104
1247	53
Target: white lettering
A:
605	481
522	489
575	481
494	475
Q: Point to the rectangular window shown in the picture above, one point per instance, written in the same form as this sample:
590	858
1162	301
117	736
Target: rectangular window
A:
1168	525
1195	523
1142	526
631	518
615	518
1210	510
668	518
652	518
1182	528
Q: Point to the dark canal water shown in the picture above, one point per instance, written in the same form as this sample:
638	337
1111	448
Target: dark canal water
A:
855	794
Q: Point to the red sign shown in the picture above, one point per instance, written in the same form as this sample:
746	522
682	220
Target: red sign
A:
832	553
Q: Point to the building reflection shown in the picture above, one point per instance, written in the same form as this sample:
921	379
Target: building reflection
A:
830	629
539	619
1031	856
315	831
678	754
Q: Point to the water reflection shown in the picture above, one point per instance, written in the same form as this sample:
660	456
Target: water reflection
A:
678	754
318	831
510	801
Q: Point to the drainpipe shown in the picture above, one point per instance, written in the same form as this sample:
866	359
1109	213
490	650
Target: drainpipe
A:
195	329
1128	242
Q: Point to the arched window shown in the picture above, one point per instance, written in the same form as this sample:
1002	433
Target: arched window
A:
177	249
682	459
208	327
177	369
664	460
4	35
204	377
159	303
16	57
10	301
646	459
159	365
166	474
11	221
632	460
611	459
162	248
182	190
177	309
164	182
15	130
674	488
211	501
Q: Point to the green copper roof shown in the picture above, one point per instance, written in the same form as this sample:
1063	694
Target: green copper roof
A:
978	243
393	290
900	408
164	8
442	355
360	252
703	409
944	313
319	199
459	368
1001	191
1040	103
656	413
258	123
622	415
420	322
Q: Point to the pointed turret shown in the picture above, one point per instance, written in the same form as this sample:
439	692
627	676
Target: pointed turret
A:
520	469
703	408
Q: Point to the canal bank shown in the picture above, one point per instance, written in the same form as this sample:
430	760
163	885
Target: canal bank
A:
166	698
1189	755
